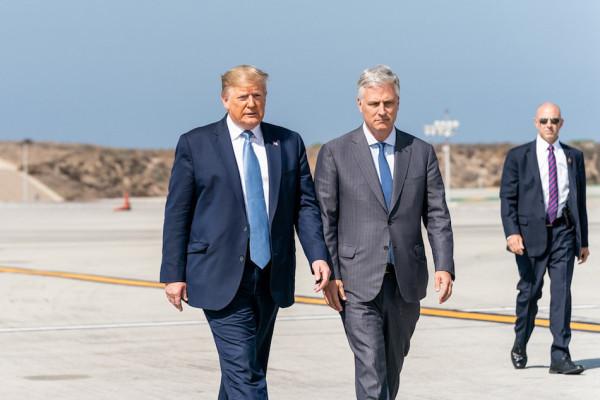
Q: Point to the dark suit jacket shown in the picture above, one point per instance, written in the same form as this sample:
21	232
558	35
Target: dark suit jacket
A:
522	198
205	237
359	228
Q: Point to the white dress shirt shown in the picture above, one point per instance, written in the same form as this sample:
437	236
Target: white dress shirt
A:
389	149
258	144
562	172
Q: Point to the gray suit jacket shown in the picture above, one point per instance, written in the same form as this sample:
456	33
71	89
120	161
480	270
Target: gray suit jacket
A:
358	227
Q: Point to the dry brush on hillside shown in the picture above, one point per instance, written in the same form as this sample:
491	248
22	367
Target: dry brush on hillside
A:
84	172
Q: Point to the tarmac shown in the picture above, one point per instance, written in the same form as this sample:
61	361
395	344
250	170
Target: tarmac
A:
82	317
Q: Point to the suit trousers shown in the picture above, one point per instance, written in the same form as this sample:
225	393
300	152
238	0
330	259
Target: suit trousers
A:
559	260
242	332
379	333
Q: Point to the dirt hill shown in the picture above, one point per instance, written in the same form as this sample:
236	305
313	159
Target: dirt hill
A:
84	172
480	165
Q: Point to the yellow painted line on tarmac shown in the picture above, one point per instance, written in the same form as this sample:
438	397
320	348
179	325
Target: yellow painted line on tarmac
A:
476	316
473	316
502	318
82	277
310	300
427	311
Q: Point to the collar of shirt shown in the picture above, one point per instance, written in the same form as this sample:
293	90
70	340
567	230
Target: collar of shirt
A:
542	146
236	132
390	140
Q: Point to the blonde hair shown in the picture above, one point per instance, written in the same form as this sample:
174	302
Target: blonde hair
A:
243	74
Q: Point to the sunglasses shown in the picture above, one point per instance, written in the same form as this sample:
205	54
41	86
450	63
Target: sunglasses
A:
553	121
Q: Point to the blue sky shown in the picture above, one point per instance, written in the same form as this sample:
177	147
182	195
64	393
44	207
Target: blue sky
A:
138	73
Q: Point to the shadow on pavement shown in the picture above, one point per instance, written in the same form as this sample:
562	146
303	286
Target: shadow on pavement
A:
589	363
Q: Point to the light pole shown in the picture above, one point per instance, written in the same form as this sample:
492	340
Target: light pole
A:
25	169
445	128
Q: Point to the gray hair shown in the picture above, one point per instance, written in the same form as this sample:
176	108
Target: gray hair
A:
376	76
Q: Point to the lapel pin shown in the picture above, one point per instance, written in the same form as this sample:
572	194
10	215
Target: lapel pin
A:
569	160
276	143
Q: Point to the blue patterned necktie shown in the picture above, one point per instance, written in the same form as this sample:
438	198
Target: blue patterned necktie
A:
387	183
552	186
385	176
260	248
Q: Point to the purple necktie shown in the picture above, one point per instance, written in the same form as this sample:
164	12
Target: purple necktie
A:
552	187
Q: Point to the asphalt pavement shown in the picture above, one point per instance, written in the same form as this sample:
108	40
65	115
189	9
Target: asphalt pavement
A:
67	335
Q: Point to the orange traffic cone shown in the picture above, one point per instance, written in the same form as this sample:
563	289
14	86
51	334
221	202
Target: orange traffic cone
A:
126	205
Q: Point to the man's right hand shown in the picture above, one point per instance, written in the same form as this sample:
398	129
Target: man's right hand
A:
515	244
334	291
176	291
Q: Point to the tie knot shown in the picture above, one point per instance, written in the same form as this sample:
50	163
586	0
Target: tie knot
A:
381	146
551	148
247	135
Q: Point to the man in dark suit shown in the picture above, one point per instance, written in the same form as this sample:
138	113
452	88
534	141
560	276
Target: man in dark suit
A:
545	222
372	224
238	188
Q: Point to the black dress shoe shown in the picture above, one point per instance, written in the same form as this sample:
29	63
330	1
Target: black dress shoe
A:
565	366
518	356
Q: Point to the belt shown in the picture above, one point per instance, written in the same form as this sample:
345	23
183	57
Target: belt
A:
557	222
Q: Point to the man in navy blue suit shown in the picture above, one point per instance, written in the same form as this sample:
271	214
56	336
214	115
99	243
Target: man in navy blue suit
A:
545	222
238	188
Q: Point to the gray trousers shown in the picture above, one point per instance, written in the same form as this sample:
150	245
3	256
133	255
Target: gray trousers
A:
379	333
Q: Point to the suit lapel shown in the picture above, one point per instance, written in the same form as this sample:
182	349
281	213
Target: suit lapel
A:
364	159
571	172
402	154
273	150
534	168
223	146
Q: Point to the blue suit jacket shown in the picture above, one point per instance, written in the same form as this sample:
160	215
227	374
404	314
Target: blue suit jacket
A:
205	236
522	198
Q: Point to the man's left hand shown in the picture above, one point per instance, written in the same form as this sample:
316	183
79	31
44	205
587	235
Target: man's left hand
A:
443	285
583	255
176	292
322	273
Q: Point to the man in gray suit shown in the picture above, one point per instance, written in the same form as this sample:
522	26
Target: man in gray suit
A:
372	224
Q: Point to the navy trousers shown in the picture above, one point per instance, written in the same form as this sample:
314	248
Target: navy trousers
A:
559	260
242	332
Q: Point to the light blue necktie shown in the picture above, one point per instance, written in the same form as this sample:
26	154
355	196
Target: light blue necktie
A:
385	176
387	183
260	248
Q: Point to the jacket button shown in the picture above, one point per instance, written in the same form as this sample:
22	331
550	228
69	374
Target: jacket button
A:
386	248
241	259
